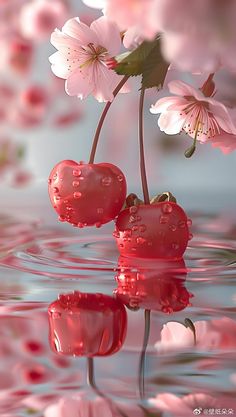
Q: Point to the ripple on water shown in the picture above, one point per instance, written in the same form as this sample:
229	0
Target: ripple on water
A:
38	263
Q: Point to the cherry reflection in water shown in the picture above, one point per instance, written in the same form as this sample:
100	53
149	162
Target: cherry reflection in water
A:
152	284
88	325
156	285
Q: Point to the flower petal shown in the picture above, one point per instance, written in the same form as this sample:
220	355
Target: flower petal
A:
164	103
108	34
78	30
79	85
222	116
105	82
225	142
181	89
171	122
60	67
62	42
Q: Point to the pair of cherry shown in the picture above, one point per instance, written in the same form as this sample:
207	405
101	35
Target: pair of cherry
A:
94	194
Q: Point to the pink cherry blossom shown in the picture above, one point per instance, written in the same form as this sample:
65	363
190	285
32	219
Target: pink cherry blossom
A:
184	407
210	335
201	117
135	15
39	18
81	57
198	35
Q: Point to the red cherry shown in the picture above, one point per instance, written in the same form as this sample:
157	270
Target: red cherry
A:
87	324
153	231
152	285
86	194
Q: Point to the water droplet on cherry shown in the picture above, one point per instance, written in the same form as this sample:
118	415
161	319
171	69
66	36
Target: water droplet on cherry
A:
77	195
173	227
181	224
76	172
175	246
49	181
98	225
75	183
140	240
120	178
62	218
106	181
163	219
133	209
55	189
54	177
56	315
142	228
167	309
189	222
127	233
167	208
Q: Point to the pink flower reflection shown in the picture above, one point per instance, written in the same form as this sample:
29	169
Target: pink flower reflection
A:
79	405
210	335
184	407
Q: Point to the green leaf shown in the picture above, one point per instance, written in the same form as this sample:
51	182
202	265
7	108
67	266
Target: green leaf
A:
133	63
154	68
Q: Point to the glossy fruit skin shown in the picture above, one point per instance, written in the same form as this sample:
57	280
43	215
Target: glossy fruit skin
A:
152	231
86	194
83	324
153	285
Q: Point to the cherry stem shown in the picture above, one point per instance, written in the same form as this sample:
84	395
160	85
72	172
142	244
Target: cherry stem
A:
102	118
141	151
90	376
92	384
141	378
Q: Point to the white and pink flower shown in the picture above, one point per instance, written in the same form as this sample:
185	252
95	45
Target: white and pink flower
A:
202	118
135	15
185	406
79	405
82	55
210	335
